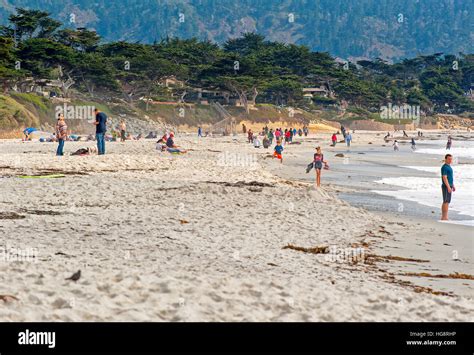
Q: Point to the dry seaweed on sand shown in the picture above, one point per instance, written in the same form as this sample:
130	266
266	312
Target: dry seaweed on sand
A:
371	258
10	215
450	276
314	250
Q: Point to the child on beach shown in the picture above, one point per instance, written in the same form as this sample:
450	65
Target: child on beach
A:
413	144
278	151
395	146
334	139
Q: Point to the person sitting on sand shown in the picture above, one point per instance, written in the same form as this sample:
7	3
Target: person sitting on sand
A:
160	146
278	150
85	151
318	165
171	147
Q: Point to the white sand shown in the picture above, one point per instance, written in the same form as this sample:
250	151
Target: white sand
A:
159	238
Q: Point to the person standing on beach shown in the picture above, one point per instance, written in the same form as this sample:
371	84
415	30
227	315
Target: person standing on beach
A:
413	144
270	136
447	186
334	139
199	132
123	128
318	165
250	136
305	130
100	129
278	134
348	139
449	143
61	134
395	146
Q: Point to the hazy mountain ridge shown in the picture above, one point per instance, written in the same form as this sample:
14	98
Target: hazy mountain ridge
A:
348	29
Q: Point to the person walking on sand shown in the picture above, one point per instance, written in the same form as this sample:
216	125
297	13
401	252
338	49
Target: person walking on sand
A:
278	134
449	143
318	161
123	129
305	130
395	146
250	136
61	134
100	129
348	139
199	132
447	186
270	136
278	150
334	139
413	144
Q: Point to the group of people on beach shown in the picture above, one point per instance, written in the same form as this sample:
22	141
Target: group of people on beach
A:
100	130
166	143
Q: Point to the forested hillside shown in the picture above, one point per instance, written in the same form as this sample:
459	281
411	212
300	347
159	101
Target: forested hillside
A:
250	69
348	29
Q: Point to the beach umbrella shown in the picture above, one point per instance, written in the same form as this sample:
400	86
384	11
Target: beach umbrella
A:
29	130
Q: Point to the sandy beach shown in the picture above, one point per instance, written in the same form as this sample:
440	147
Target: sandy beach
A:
204	236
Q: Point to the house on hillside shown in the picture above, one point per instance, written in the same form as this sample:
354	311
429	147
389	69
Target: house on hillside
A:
207	97
42	87
171	82
318	92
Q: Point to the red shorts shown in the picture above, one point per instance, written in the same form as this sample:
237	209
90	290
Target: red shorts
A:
275	154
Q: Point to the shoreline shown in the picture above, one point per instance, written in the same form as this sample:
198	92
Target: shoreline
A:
201	237
356	189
